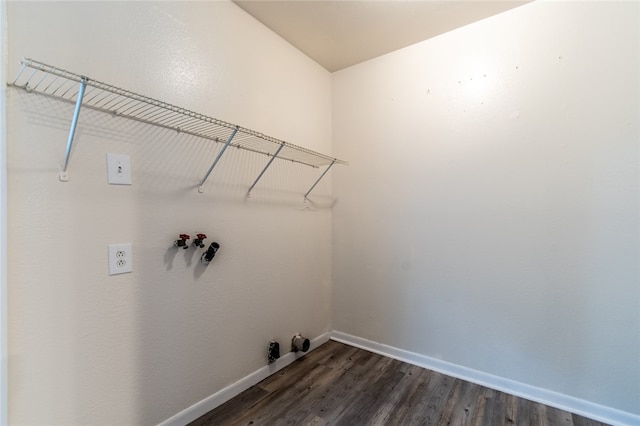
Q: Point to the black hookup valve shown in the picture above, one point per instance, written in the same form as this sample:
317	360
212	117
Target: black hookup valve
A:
273	351
199	240
208	255
182	242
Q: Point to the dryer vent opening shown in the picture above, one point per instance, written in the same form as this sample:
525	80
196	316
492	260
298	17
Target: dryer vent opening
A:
299	343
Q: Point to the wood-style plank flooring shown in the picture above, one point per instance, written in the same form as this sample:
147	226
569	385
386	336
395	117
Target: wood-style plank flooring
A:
337	384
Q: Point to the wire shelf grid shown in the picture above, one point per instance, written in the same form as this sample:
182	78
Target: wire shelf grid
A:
52	81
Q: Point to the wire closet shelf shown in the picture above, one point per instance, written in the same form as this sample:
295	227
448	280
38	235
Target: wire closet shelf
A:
34	76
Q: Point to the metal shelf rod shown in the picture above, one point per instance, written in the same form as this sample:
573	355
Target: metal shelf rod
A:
226	144
265	168
319	179
64	177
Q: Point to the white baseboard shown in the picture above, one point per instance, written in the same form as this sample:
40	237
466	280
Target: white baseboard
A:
533	393
223	395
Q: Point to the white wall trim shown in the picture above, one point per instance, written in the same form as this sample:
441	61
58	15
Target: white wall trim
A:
523	390
223	395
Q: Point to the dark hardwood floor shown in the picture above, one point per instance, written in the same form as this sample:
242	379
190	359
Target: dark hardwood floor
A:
337	384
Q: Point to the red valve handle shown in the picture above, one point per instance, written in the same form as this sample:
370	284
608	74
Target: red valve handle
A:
184	237
201	236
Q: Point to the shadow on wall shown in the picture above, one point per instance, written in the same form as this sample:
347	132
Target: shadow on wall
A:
177	162
154	326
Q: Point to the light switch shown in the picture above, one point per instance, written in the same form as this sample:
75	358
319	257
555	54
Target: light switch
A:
118	169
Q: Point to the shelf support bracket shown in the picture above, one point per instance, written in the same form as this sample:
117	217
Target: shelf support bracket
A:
319	179
64	176
265	169
226	144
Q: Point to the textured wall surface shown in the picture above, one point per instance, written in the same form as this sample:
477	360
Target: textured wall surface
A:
3	215
86	348
489	217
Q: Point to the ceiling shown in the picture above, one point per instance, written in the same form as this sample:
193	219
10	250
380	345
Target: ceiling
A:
340	33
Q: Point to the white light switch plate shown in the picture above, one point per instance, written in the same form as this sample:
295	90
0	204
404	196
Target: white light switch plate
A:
118	169
120	258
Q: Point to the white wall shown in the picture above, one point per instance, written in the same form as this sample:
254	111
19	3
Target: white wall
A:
86	348
3	217
489	221
490	214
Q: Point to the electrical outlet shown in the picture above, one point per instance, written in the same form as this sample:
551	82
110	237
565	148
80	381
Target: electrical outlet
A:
120	258
118	169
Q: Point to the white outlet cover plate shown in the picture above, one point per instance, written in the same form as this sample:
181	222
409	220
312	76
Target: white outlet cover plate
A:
118	169
120	258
